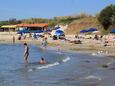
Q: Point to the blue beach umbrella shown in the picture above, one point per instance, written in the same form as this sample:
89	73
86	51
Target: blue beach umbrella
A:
83	31
36	31
59	32
92	29
22	31
112	31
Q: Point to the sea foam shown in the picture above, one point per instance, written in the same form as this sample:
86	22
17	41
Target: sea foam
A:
92	77
50	65
66	59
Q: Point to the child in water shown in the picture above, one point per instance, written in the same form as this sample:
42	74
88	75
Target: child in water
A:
42	61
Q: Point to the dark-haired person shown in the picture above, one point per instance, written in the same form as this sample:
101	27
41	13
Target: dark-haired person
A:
13	39
42	61
26	52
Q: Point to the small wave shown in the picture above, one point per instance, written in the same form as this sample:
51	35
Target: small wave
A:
93	54
109	63
45	66
92	77
59	52
50	65
96	54
66	59
99	53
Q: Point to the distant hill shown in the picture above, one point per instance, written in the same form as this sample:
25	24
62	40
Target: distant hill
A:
82	23
70	24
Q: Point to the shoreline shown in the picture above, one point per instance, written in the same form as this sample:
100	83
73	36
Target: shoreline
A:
81	48
88	46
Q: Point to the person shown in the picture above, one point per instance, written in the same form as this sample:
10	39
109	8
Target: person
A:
26	52
13	39
42	61
44	42
59	47
96	37
30	35
19	38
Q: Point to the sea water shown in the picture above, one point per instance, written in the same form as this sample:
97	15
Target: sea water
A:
64	68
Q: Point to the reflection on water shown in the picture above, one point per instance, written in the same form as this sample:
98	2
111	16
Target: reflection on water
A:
61	68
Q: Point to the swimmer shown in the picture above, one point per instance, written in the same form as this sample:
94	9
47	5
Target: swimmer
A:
42	61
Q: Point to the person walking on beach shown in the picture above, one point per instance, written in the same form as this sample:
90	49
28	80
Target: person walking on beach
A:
26	52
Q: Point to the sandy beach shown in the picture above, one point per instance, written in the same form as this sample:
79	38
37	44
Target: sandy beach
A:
88	45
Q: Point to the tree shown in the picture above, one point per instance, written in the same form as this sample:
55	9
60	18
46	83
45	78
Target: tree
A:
106	16
12	21
4	23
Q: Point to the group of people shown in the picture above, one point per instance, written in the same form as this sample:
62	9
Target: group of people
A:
26	54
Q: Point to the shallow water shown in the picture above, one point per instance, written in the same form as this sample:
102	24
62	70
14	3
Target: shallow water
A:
61	68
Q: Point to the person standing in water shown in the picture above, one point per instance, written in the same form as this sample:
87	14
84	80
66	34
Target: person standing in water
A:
13	39
59	47
44	42
26	52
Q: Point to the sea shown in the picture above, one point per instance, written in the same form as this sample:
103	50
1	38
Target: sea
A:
62	68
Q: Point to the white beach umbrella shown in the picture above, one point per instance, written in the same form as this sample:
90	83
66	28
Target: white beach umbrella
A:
53	32
95	32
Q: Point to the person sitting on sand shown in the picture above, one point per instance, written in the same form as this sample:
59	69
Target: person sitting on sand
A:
42	61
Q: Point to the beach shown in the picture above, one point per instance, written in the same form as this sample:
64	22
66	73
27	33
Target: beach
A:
88	45
43	44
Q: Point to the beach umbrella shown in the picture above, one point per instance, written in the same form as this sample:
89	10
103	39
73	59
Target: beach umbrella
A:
23	31
19	32
92	29
36	31
83	31
57	27
53	32
96	32
59	32
112	31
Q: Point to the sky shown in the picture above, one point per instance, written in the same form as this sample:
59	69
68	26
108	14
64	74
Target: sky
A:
25	9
